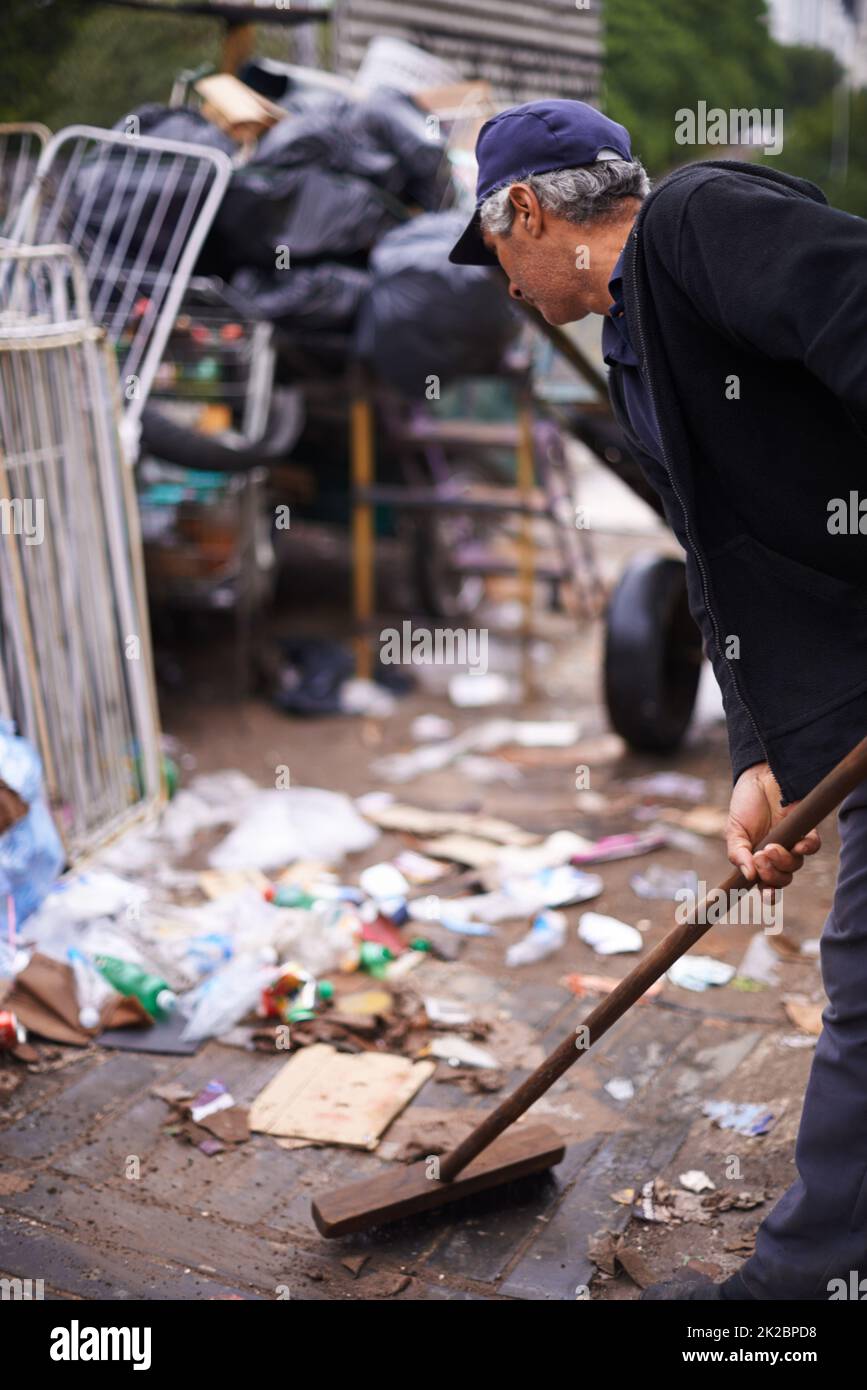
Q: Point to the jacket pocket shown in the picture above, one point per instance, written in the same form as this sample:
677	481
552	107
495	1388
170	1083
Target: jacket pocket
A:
802	633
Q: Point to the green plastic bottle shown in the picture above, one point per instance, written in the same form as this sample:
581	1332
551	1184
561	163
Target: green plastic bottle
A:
152	993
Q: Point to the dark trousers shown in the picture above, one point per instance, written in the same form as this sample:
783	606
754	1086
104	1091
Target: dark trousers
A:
818	1229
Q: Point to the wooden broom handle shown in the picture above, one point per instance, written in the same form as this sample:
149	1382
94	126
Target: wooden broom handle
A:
802	818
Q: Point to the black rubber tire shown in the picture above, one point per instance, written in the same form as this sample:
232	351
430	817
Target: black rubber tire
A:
653	655
186	448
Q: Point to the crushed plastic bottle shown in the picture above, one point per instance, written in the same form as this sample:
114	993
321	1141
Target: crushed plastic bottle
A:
546	935
225	997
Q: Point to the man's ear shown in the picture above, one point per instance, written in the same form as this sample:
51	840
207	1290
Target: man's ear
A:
528	213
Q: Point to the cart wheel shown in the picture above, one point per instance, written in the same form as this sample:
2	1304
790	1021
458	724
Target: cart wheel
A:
653	654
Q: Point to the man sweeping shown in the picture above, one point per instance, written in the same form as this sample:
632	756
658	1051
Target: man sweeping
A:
734	302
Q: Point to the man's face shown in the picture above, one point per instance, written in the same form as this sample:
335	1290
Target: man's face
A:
560	267
543	270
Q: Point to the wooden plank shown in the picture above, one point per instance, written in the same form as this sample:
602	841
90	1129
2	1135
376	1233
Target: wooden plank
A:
525	1149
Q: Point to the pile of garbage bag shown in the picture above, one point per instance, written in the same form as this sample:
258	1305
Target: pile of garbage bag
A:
318	232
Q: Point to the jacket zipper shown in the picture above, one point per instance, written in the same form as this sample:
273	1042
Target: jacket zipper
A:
694	548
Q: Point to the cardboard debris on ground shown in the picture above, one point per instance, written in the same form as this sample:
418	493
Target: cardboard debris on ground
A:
806	1014
726	1199
334	1098
45	1000
608	1251
394	815
463	849
210	1119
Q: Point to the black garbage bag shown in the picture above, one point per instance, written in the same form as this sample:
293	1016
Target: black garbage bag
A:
324	296
317	213
108	186
424	316
384	137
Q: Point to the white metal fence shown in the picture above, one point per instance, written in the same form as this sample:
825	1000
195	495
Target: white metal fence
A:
75	652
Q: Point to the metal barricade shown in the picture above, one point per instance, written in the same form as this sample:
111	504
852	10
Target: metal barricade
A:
136	210
74	641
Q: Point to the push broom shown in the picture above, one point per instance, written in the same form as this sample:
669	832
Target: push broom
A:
488	1156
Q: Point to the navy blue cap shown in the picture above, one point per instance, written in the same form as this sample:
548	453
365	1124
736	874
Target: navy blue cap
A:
534	139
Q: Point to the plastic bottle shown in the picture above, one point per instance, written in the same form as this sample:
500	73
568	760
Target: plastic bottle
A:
151	992
546	935
91	988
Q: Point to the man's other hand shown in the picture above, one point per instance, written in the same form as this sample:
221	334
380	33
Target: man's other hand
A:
753	811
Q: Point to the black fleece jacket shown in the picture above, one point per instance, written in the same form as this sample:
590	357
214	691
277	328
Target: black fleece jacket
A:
746	296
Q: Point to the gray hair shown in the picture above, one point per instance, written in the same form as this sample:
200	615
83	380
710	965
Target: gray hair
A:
589	192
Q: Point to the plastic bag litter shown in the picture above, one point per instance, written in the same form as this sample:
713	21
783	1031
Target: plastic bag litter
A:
31	855
669	885
225	997
699	973
279	826
607	935
424	316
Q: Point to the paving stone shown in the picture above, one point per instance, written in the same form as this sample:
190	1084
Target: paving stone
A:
556	1263
54	1124
490	1229
31	1252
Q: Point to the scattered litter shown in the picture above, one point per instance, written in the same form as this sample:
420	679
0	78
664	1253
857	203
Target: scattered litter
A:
481	769
394	815
625	846
307	1099
694	1180
358	696
604	984
620	1087
546	935
279	825
729	1200
471	690
806	1014
417	868
760	962
561	848
607	935
699	973
425	728
446	1012
660	883
745	1118
486	737
458	1052
211	1098
369	1003
518	897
